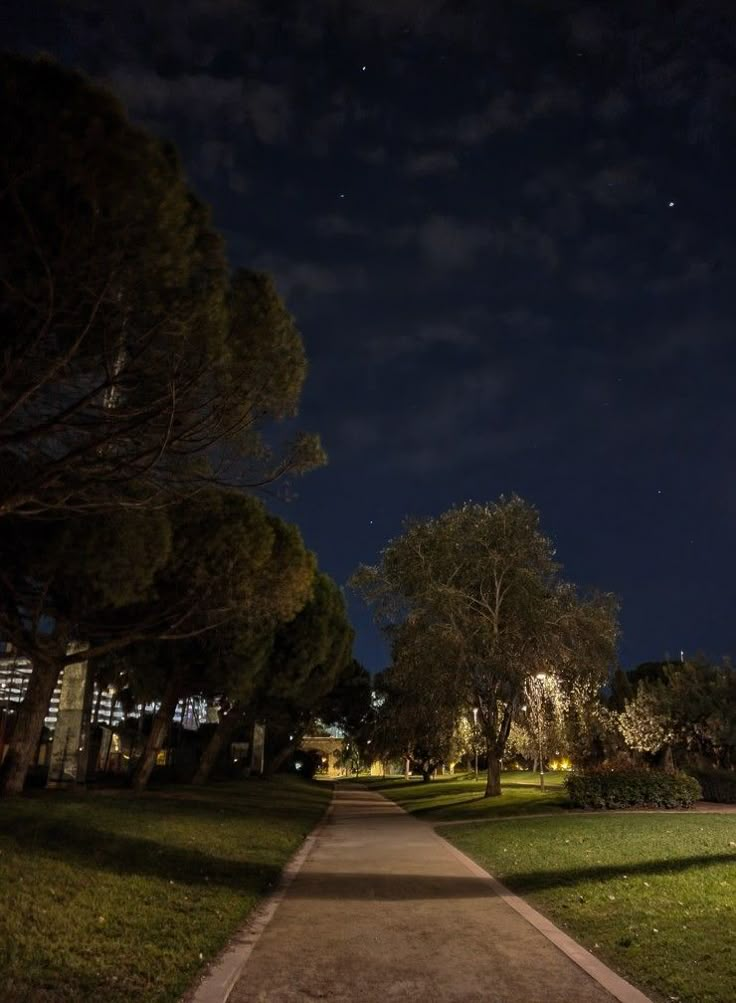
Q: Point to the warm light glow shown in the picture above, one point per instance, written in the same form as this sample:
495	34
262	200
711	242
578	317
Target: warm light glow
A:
563	763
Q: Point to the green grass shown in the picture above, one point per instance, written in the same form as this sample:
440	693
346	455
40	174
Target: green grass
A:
117	898
461	798
652	895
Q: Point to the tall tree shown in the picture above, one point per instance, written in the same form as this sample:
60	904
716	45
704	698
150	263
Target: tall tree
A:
128	354
416	718
232	680
57	586
688	709
130	577
349	704
261	576
480	584
310	654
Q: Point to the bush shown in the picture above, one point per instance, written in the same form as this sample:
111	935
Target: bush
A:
602	787
717	785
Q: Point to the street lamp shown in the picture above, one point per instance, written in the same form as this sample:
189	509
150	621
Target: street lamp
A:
475	739
540	677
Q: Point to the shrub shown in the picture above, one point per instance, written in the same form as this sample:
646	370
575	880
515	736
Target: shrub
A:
602	787
717	785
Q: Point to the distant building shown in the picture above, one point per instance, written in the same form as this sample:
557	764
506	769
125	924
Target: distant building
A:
15	672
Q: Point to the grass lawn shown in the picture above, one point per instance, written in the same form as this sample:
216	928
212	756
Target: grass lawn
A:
117	898
652	895
450	798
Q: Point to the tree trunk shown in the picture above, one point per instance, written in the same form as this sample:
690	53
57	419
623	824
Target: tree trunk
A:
493	779
407	768
220	736
665	760
159	728
28	727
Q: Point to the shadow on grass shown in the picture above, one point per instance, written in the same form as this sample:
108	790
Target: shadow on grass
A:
264	799
101	850
391	887
496	808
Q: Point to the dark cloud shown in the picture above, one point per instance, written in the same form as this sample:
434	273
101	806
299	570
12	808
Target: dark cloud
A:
375	155
301	279
447	242
212	103
454	424
335	225
503	299
431	162
387	347
199	97
514	110
269	110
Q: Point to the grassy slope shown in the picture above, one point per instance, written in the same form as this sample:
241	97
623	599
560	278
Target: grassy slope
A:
450	798
653	895
121	898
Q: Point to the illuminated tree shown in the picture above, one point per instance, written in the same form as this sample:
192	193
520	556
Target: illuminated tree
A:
479	584
645	723
689	707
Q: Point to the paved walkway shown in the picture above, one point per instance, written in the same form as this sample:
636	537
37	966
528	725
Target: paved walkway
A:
383	910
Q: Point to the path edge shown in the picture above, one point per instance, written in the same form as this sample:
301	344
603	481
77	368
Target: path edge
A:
223	973
614	984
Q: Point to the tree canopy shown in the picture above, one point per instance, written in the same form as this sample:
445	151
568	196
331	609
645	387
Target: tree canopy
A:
480	584
130	356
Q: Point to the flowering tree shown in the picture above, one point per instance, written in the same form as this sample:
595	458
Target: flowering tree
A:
645	722
691	707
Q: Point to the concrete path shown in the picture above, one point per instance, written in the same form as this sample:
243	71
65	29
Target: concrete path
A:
384	910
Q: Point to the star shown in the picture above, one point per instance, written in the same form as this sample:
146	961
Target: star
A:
670	204
362	69
341	196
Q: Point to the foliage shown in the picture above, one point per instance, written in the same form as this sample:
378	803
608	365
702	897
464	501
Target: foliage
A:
620	690
589	727
135	372
128	353
645	721
479	586
466	739
537	730
349	705
309	655
415	722
601	787
250	573
717	785
692	706
214	558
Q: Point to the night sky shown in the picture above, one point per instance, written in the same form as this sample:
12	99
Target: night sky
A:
507	232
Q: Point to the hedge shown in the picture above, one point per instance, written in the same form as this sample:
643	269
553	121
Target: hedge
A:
717	785
603	787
